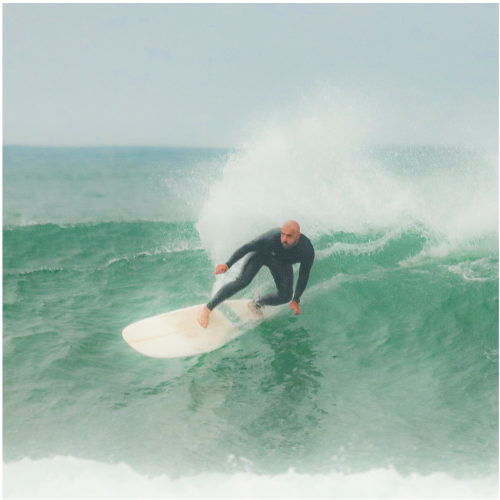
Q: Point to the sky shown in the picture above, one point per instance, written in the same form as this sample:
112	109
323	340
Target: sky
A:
199	74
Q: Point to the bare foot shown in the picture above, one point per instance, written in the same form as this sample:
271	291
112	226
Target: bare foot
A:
203	316
256	310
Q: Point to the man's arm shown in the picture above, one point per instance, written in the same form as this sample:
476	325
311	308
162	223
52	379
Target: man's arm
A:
241	252
304	270
252	246
301	284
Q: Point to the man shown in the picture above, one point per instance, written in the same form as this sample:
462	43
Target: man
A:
278	250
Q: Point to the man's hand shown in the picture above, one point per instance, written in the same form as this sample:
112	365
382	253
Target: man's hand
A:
295	307
221	269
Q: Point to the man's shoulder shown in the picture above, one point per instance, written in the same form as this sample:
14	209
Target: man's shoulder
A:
306	242
268	237
272	233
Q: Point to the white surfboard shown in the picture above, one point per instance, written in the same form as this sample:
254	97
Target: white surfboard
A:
178	334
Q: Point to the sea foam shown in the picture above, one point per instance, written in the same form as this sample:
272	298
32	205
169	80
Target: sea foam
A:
69	477
329	163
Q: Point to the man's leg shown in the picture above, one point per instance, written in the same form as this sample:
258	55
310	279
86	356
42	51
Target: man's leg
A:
283	277
250	268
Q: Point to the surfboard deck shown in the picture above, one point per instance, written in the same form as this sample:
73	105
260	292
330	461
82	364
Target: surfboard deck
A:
177	334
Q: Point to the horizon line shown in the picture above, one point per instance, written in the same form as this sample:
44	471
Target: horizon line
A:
95	146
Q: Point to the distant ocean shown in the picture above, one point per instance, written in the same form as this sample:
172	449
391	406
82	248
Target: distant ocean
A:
386	386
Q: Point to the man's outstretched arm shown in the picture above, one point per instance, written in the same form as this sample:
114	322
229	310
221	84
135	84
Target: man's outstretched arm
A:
240	253
252	246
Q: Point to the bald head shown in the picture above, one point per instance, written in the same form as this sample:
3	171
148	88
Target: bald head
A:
290	234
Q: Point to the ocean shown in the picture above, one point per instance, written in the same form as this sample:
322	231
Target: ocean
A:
385	386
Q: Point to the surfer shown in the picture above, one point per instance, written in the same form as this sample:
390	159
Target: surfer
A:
277	249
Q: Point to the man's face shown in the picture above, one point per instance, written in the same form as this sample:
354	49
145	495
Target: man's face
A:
289	237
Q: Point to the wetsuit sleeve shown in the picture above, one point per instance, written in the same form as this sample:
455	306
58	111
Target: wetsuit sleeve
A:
253	246
241	252
305	268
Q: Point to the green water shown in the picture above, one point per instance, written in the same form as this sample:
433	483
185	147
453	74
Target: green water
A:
392	363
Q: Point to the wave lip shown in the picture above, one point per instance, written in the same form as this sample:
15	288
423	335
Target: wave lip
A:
332	165
70	477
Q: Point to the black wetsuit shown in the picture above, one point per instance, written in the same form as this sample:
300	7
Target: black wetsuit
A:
267	250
